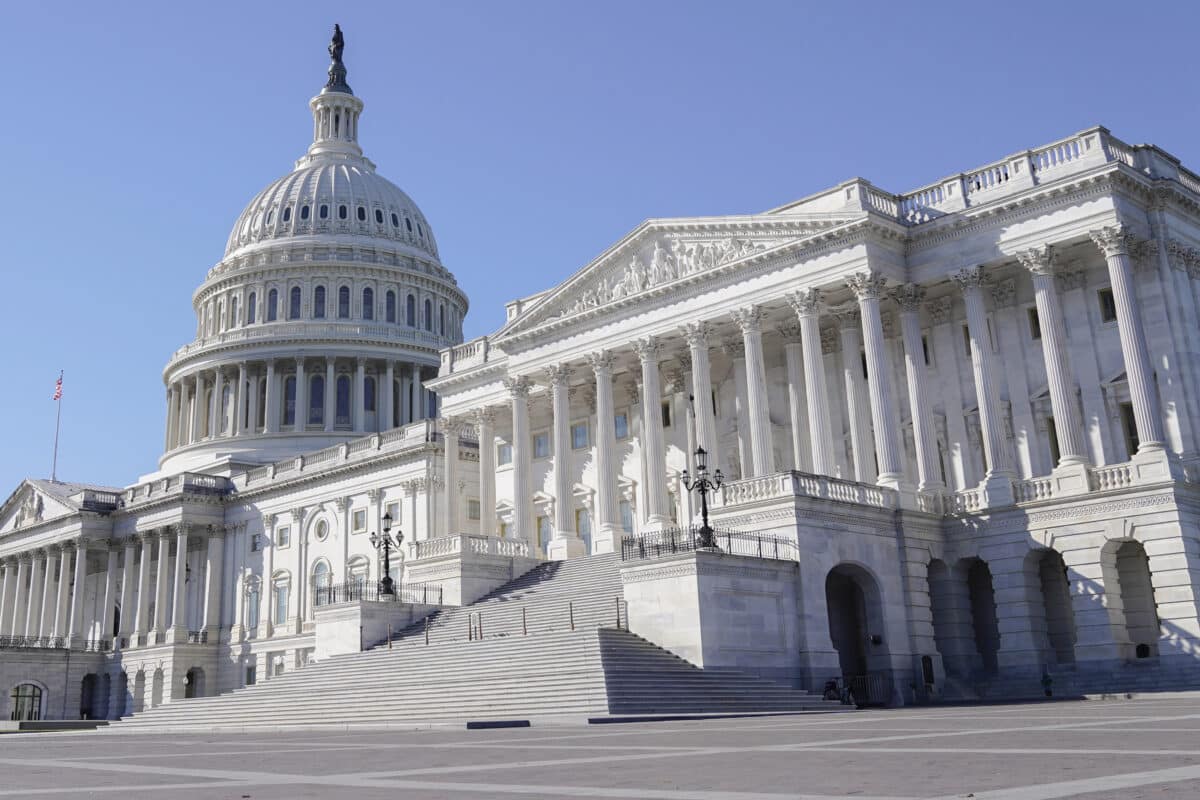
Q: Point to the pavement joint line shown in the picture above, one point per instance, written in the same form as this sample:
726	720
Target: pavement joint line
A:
1026	751
83	791
599	791
1073	788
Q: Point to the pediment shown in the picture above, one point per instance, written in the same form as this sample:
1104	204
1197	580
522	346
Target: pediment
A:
660	254
30	505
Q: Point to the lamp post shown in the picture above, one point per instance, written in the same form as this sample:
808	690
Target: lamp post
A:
703	484
385	543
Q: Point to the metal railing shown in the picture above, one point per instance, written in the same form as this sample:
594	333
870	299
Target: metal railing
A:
423	593
686	539
872	689
197	637
55	643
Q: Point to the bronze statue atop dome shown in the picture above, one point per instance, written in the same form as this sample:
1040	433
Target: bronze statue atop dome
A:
337	70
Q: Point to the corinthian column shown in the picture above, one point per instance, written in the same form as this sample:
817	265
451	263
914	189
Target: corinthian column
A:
217	426
518	388
849	327
608	517
449	428
566	542
697	334
909	297
793	352
868	287
658	512
160	584
807	305
76	627
749	320
997	482
179	612
485	427
1114	242
1067	425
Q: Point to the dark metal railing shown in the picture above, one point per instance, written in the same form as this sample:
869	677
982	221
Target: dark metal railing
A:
54	643
686	539
424	593
197	637
872	689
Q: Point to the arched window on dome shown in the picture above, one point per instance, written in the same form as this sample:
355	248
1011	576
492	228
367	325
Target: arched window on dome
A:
294	303
233	312
251	308
304	212
441	320
270	216
369	394
342	417
362	214
378	217
316	400
390	306
323	212
368	304
344	302
343	212
289	400
220	321
287	214
428	315
272	305
261	412
395	220
226	411
420	231
319	302
410	311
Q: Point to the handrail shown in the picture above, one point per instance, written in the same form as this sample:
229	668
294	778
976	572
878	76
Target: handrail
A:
423	593
687	539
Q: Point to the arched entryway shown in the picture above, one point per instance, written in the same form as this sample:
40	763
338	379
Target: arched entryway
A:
26	702
101	705
139	691
87	696
124	697
983	614
856	624
193	683
156	688
1056	621
1136	592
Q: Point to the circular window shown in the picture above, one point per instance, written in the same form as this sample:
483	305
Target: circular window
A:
322	530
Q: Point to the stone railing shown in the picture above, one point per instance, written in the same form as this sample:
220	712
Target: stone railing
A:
467	355
387	331
184	482
965	501
467	543
1033	489
1113	476
784	485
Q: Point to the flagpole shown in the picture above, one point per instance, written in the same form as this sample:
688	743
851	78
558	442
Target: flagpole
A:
57	423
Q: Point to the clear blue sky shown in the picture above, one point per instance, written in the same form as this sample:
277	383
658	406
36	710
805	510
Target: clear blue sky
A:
532	134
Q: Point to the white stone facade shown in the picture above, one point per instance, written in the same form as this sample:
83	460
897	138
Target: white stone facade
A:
943	401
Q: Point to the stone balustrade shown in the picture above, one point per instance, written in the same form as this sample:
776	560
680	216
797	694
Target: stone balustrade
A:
466	543
802	484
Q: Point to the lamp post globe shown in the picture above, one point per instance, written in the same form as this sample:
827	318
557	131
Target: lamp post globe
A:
384	542
703	484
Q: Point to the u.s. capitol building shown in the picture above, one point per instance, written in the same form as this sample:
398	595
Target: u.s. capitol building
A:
970	414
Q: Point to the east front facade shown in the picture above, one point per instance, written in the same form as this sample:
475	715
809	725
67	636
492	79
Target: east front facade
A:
968	414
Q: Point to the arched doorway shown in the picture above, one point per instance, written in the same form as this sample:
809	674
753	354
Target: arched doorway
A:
124	697
983	614
193	683
101	705
156	688
25	702
139	691
855	611
1136	590
953	631
1049	574
87	696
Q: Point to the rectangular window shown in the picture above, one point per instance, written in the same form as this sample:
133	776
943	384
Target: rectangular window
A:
393	510
967	340
281	604
472	508
925	349
579	436
666	413
583	526
503	531
256	542
1108	305
1035	326
1129	428
283	536
503	454
543	533
621	425
1052	435
541	445
626	516
251	675
359	520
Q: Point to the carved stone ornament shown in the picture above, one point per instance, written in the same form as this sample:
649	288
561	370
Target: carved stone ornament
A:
969	279
1004	293
31	510
868	285
847	317
790	331
648	349
517	385
558	374
696	334
805	302
601	362
1038	260
734	348
749	319
940	310
829	340
1113	240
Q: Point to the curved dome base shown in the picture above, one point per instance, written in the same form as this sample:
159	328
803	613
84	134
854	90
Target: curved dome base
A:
233	454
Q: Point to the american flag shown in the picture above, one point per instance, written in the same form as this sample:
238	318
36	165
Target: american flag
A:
58	388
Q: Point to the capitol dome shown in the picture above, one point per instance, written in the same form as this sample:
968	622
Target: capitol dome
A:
324	317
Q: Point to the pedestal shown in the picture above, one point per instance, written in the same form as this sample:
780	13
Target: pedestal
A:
567	547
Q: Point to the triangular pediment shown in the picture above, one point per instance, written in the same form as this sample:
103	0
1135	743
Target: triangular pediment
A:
31	504
659	255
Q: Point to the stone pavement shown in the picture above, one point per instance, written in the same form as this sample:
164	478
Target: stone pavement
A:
1091	749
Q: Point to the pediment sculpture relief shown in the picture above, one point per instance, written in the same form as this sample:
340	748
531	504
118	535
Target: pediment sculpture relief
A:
31	510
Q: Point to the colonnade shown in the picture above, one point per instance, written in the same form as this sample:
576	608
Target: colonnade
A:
807	380
357	394
41	593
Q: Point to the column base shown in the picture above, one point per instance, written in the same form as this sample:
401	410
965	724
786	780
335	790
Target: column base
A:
566	547
1151	465
656	523
1070	478
906	490
607	538
997	489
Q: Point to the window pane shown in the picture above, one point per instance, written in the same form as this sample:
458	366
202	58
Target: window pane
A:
316	400
344	302
343	401
272	305
504	454
579	435
368	304
410	311
369	394
294	308
626	516
289	400
621	423
319	302
541	445
391	307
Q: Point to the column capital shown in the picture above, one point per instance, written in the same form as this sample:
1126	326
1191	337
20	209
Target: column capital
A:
452	426
909	297
1004	293
749	319
298	514
734	348
867	285
558	374
790	331
1040	261
969	279
1113	240
269	520
341	503
601	362
805	302
648	349
374	495
848	317
696	333
518	385
483	416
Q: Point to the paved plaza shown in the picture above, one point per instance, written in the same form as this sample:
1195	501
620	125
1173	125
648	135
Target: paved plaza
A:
1094	749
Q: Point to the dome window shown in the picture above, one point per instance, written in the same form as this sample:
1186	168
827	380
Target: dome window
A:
319	302
287	214
368	304
251	309
270	216
429	316
390	306
410	311
408	222
378	216
294	304
362	214
304	212
272	305
395	221
343	212
324	212
344	302
420	231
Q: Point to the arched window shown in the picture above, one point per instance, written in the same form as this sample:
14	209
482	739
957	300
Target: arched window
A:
420	231
362	214
26	702
378	216
233	312
319	302
368	304
343	400
316	400
344	302
369	394
428	315
304	212
294	304
272	305
410	311
251	309
390	306
343	212
252	606
289	400
441	320
270	216
395	221
287	214
408	223
323	212
282	584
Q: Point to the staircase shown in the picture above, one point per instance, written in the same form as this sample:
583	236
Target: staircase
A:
512	655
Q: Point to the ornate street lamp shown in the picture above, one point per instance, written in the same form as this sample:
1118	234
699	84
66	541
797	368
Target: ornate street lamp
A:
703	484
385	542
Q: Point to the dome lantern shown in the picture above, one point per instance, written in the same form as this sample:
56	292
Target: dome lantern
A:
335	110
